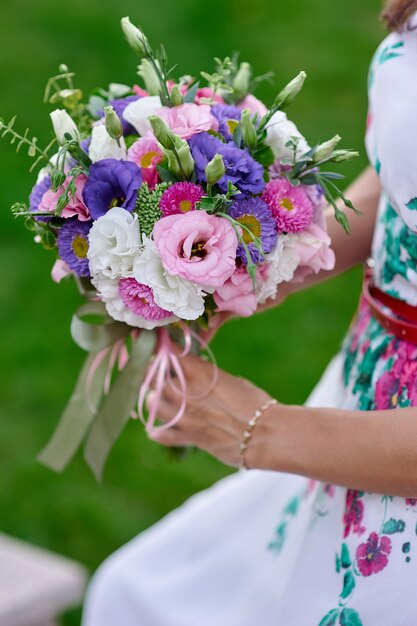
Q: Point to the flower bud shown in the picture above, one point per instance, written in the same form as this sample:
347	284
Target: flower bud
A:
176	96
112	123
287	95
242	80
248	129
149	76
325	150
64	124
162	131
215	169
135	37
69	97
344	155
186	159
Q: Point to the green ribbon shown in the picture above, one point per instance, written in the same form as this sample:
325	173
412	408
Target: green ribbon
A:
80	420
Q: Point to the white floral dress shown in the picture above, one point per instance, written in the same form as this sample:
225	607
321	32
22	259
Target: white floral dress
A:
269	549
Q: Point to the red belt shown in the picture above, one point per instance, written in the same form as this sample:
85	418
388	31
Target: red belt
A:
400	320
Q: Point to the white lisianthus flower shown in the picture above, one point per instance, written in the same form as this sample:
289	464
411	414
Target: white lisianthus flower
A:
103	146
172	293
108	290
114	241
138	112
281	265
63	123
280	130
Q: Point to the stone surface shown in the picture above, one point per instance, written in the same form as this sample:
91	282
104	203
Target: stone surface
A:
36	585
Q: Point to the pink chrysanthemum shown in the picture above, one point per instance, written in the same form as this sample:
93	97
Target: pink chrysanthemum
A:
180	198
139	299
291	207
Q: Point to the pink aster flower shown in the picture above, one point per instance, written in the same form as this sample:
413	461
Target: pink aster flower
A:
75	206
291	207
188	119
206	95
180	198
372	556
139	299
237	295
253	104
146	153
197	246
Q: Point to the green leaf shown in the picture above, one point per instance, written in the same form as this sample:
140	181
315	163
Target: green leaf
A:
191	93
330	619
348	584
349	617
393	526
345	557
264	155
166	175
237	136
412	205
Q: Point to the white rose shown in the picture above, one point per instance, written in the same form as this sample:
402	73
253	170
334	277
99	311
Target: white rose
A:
172	293
63	123
103	146
114	241
282	263
137	113
108	291
280	130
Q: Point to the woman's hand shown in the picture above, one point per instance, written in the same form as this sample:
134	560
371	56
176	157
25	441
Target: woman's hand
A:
216	420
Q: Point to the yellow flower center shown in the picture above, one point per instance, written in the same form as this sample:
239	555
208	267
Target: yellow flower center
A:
116	202
198	249
394	399
232	125
146	160
252	224
80	247
185	206
287	204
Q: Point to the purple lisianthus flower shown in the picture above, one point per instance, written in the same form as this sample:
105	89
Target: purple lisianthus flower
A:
255	214
241	169
228	117
119	105
72	242
36	196
111	182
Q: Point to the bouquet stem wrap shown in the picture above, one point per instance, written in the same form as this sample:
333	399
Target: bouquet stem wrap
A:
116	377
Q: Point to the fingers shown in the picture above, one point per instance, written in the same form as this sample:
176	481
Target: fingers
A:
171	437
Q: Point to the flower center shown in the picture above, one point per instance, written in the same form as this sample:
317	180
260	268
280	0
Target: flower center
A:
253	225
287	204
198	249
370	556
185	206
80	246
117	202
232	125
146	160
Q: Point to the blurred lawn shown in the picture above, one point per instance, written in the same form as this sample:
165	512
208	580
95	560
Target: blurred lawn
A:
284	350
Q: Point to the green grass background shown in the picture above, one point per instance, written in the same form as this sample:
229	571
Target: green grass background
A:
283	351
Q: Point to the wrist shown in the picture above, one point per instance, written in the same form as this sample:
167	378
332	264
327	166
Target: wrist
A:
276	443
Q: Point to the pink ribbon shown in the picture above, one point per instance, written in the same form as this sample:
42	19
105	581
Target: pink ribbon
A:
166	364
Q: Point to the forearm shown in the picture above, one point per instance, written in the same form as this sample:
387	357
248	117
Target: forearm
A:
372	451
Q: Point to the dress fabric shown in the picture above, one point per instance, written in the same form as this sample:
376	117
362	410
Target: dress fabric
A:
266	548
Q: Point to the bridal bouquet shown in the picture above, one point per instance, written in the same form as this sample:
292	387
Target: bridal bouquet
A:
168	203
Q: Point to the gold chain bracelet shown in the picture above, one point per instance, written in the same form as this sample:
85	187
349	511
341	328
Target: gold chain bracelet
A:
247	435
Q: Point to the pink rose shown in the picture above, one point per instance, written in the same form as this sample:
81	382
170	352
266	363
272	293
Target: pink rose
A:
253	104
237	294
206	93
146	153
75	206
188	119
313	247
197	246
